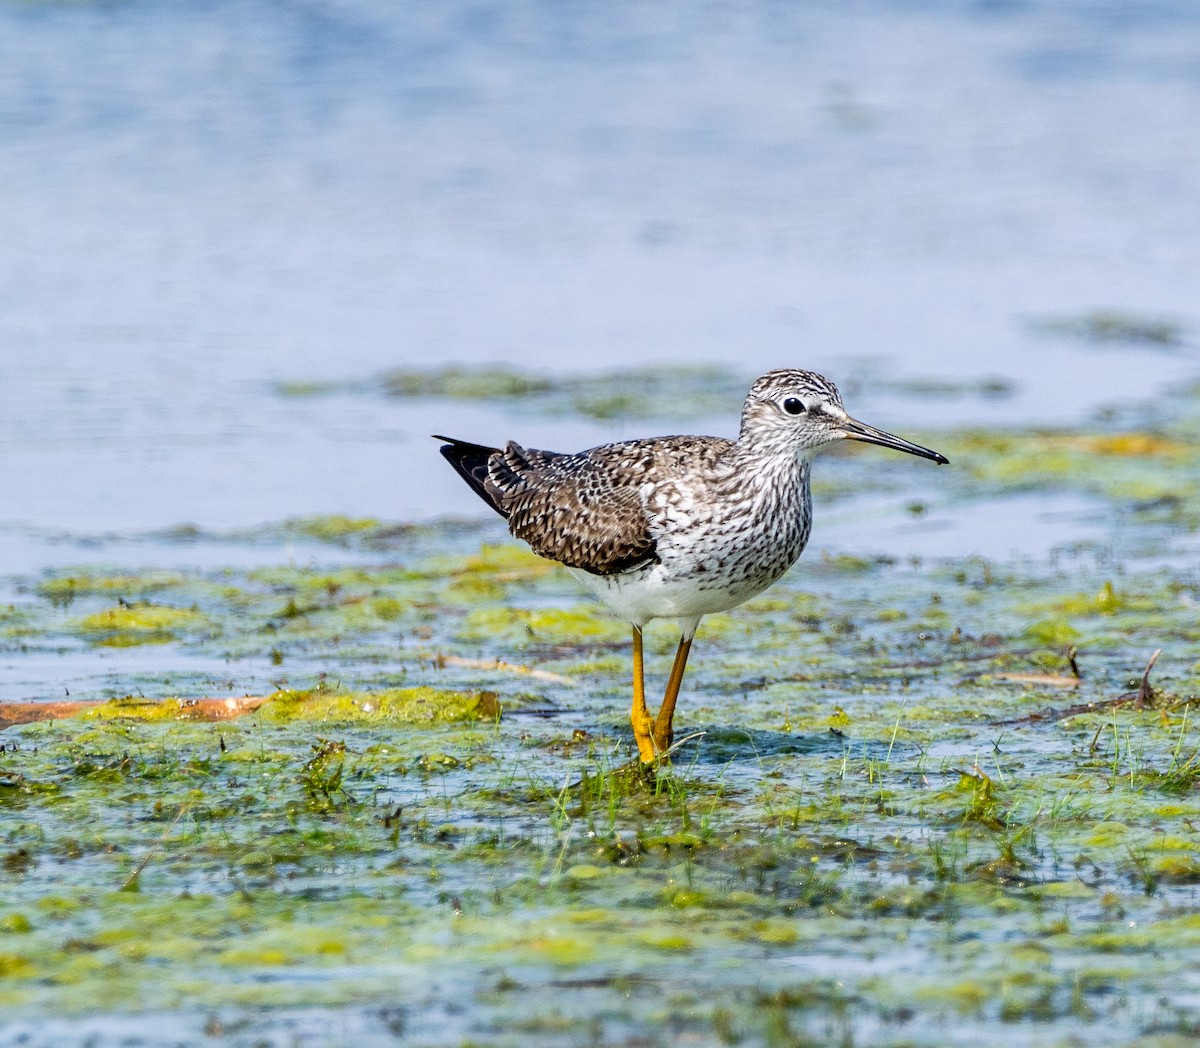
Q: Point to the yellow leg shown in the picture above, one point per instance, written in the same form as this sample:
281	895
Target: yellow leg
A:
642	725
663	732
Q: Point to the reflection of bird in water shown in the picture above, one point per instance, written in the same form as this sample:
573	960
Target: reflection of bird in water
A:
675	527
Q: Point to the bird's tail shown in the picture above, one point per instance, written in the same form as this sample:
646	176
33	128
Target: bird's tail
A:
471	463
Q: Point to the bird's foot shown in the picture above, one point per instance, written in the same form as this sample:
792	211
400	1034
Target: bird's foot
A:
663	737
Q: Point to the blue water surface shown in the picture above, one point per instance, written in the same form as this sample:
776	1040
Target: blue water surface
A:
202	199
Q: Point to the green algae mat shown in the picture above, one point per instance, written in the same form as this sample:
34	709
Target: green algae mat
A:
388	794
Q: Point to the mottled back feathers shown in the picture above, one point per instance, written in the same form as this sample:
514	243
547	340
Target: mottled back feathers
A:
585	510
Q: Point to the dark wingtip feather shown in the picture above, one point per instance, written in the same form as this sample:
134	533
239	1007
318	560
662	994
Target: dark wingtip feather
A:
470	461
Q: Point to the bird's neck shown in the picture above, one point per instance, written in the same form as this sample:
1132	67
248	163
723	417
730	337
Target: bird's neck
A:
770	494
782	477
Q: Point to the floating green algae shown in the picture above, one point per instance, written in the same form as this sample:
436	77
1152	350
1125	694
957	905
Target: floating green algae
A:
1112	465
63	590
651	391
128	624
464	383
687	873
630	393
334	529
521	627
490	861
893	824
501	563
1115	327
420	705
341	529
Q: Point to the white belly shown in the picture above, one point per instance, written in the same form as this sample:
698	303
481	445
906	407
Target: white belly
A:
712	554
654	594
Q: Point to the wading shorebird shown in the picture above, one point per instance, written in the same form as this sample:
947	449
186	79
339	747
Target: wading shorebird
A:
675	527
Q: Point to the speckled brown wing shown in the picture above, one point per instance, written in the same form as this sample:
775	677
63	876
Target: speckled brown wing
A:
583	510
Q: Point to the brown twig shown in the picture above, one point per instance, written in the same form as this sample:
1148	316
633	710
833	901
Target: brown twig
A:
1145	693
1140	699
461	662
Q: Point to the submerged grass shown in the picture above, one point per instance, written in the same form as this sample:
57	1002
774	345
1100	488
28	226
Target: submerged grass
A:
922	803
866	786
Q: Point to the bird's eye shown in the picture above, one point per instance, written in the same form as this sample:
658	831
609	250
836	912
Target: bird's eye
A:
794	406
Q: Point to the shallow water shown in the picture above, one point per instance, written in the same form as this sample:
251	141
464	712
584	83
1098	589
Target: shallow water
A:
202	201
224	225
872	833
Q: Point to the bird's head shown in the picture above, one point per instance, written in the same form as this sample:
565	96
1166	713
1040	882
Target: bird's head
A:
799	412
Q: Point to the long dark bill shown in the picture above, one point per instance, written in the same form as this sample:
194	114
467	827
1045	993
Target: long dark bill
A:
855	430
